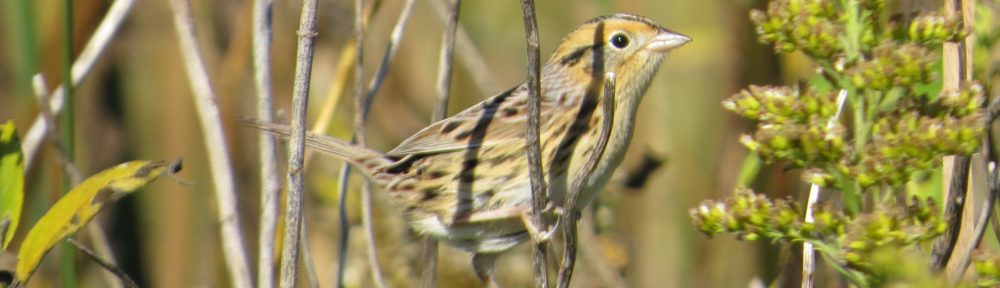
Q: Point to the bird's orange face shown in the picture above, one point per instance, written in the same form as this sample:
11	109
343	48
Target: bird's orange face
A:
629	46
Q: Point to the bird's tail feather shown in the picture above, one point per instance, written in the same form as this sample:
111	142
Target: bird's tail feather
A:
338	148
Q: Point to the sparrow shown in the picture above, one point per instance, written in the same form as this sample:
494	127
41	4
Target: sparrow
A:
464	180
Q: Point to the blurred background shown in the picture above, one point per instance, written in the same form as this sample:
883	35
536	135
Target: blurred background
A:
137	104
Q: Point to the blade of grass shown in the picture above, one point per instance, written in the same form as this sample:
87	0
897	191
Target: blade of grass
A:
68	131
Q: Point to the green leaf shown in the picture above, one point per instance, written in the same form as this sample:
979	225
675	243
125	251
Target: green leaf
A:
11	180
81	204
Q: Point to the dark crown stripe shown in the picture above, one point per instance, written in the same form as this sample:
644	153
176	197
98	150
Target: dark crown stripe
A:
629	17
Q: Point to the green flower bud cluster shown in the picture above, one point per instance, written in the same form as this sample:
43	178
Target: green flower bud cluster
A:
889	128
965	101
751	216
807	25
906	267
818	27
792	125
781	105
911	143
915	136
917	223
892	65
987	271
851	239
933	30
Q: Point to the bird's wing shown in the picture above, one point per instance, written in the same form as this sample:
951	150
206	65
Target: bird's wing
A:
499	120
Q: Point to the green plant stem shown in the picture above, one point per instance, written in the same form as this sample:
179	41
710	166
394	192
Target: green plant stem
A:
852	189
22	44
68	263
853	26
748	170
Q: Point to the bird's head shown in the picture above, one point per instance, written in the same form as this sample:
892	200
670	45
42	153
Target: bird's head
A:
630	46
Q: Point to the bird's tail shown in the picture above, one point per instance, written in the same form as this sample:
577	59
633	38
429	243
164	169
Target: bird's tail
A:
364	157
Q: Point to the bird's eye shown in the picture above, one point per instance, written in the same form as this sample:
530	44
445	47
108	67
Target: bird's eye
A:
619	41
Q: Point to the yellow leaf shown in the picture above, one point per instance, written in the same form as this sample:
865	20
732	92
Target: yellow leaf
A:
79	206
11	180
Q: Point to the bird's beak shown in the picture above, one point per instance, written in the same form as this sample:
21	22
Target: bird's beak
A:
667	40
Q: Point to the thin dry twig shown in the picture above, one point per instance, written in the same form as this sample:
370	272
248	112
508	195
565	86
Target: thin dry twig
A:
49	118
270	182
363	99
108	265
215	142
99	239
345	225
538	190
591	250
468	54
97	233
572	215
307	259
296	145
345	63
445	61
395	37
361	106
81	68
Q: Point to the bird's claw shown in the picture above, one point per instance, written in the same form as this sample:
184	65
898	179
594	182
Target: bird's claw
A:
540	235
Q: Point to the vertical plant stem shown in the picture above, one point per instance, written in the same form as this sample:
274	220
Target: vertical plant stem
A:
98	237
538	193
345	225
344	71
572	215
808	253
956	71
468	55
22	43
270	186
445	61
296	145
68	264
215	141
81	68
594	255
395	38
307	258
360	114
429	256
